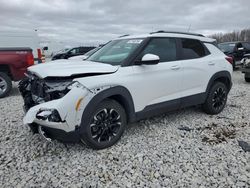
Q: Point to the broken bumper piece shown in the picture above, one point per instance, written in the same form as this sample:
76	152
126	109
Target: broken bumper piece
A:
58	119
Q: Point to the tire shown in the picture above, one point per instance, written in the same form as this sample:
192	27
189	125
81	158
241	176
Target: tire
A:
5	85
234	65
247	79
97	132
216	99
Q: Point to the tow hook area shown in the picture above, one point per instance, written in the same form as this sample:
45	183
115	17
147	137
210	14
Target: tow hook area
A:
43	134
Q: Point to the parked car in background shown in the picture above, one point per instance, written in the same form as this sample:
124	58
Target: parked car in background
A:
86	55
130	78
23	40
13	64
246	67
65	54
236	50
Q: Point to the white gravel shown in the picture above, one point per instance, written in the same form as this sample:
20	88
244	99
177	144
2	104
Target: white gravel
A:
152	153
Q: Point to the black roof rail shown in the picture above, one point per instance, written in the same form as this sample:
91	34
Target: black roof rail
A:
123	36
178	32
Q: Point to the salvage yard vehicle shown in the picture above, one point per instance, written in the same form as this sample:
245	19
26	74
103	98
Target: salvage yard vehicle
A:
236	50
26	39
71	52
13	64
130	78
246	67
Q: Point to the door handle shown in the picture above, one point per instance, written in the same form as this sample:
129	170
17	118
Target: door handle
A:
175	67
211	63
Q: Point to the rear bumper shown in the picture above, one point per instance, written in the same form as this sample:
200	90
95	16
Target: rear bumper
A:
245	70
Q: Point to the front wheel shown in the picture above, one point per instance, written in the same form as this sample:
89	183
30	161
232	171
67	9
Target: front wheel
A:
106	125
216	99
5	84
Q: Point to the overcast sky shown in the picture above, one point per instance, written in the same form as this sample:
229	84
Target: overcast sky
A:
101	20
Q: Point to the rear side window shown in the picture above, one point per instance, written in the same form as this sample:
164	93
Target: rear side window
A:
165	48
192	49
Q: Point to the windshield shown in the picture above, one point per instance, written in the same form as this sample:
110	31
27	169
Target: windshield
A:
229	47
116	51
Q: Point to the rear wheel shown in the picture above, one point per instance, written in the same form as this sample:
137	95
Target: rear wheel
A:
216	99
106	125
234	65
247	79
5	84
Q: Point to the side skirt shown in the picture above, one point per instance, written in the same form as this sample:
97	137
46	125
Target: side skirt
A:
161	108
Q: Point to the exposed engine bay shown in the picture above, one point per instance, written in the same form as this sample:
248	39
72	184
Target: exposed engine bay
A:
36	91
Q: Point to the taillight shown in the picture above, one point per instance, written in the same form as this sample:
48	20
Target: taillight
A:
30	59
229	59
39	53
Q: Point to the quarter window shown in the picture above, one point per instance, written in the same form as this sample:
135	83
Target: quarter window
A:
192	49
165	48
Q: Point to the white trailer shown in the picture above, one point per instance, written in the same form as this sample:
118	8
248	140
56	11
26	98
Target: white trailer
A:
22	39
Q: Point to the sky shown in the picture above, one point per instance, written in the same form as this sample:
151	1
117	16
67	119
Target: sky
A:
98	21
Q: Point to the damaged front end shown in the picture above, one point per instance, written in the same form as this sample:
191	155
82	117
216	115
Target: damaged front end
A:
54	106
36	91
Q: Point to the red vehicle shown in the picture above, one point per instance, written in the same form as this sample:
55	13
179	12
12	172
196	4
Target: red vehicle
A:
13	64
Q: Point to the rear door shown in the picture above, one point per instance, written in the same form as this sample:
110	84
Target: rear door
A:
161	82
197	67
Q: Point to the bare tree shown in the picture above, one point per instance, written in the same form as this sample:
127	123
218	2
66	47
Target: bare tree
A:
243	35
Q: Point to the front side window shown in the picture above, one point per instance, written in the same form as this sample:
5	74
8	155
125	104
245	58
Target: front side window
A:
165	48
116	51
192	49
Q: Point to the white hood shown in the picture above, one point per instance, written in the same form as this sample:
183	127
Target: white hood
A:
65	68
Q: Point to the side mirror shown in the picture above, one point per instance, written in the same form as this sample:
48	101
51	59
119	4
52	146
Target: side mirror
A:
45	48
150	59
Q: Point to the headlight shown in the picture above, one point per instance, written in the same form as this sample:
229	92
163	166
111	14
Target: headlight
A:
49	114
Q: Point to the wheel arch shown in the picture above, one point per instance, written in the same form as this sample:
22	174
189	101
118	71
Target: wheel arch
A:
117	93
6	69
222	76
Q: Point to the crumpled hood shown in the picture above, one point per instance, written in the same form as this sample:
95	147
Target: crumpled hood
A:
66	68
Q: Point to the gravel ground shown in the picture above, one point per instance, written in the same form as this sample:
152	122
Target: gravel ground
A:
186	148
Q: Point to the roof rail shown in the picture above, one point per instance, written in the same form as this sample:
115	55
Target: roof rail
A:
123	36
178	32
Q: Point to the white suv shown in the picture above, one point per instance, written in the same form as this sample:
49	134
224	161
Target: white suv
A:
130	78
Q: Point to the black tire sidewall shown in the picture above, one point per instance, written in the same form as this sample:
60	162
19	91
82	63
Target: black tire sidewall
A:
208	108
247	79
86	136
9	84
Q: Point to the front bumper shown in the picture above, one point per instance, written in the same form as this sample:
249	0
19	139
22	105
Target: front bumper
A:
66	126
57	134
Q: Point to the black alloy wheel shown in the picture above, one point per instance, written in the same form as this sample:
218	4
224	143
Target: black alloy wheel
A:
105	125
216	98
219	98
